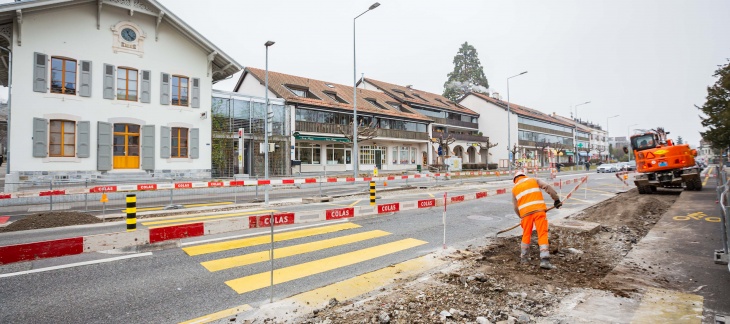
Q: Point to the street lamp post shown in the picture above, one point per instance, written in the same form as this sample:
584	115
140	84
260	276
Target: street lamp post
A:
267	125
609	151
355	158
10	96
628	137
576	108
509	130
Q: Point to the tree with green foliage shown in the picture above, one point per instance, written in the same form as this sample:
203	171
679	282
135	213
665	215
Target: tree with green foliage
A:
716	110
468	74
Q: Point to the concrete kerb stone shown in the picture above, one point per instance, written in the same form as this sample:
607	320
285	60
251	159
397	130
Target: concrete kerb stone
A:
113	241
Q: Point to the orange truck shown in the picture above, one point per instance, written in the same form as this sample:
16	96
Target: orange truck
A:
662	164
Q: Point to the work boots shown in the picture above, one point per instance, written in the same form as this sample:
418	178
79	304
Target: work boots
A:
524	249
545	257
545	264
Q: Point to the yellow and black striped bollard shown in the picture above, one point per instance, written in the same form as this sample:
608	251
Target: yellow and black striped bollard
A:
372	193
131	212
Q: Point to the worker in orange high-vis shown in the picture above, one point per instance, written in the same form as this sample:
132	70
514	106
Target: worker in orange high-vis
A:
530	207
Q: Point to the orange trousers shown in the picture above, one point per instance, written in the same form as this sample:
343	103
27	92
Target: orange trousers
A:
539	219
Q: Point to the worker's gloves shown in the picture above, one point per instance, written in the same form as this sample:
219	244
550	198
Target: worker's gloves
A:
558	204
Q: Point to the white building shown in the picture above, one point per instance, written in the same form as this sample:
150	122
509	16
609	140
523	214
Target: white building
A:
107	88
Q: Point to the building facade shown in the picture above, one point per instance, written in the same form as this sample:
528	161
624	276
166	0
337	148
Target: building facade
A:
449	119
122	89
322	113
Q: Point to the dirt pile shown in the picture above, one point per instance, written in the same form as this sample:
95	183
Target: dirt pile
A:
492	286
51	219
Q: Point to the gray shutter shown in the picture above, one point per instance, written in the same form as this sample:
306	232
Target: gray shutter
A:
104	146
83	140
40	137
194	143
108	81
40	72
148	147
195	102
145	95
165	89
165	142
85	79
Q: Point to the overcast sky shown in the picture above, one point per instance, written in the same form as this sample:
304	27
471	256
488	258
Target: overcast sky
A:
647	61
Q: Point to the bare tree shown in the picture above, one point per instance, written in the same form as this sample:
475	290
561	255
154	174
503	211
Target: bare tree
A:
443	142
600	149
541	146
486	146
364	133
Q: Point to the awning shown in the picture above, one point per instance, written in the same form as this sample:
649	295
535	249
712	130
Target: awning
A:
582	154
320	138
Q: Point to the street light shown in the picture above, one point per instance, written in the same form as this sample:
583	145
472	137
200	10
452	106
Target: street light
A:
576	108
355	161
628	136
10	96
509	131
609	151
267	125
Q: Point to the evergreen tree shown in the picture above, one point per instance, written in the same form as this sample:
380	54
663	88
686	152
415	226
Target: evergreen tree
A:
468	74
716	110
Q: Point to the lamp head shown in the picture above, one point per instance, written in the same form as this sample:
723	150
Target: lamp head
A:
269	43
375	5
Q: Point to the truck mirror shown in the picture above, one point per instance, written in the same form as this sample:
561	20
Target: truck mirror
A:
626	150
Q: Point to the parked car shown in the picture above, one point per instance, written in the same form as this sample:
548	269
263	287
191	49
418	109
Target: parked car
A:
627	166
607	167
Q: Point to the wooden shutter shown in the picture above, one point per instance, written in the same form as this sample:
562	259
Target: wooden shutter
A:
83	139
195	102
145	95
85	79
40	137
194	143
40	72
165	89
148	147
104	146
165	142
108	81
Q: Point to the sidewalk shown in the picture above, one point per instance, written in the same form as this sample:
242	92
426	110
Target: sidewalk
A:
670	275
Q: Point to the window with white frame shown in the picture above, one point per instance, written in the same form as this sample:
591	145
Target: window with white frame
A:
404	155
335	154
308	153
367	154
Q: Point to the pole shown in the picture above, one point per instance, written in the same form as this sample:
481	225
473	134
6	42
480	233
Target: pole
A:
266	130
51	196
354	100
10	96
509	134
131	212
372	193
443	220
271	221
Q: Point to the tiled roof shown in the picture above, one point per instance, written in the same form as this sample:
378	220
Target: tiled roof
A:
522	110
420	97
277	82
579	126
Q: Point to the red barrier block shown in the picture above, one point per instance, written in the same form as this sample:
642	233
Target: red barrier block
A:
391	178
287	181
216	184
103	189
367	179
52	193
481	194
349	179
253	222
310	180
416	176
183	185
264	182
340	213
41	250
279	219
6	196
404	177
427	203
457	198
236	183
388	208
331	179
176	232
147	186
501	191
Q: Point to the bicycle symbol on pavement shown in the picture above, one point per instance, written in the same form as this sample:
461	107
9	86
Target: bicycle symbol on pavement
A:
697	216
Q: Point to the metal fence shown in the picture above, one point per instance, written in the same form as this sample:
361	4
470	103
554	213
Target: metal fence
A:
723	196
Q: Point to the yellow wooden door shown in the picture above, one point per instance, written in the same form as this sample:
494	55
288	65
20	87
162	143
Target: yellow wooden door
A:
126	146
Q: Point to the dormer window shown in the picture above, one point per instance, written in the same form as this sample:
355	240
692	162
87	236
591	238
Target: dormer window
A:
333	95
300	91
402	93
419	97
375	103
443	102
399	107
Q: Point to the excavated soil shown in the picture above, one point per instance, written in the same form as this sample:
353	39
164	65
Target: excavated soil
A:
490	285
51	219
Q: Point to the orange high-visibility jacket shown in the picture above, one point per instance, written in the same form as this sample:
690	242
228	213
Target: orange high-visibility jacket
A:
529	197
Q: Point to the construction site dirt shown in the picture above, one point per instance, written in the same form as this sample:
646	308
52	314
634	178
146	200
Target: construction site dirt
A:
51	219
488	284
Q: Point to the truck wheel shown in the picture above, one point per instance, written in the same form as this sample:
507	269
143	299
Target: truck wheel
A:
643	190
697	184
689	185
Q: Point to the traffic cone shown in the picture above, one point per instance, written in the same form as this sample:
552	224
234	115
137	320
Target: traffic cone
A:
385	183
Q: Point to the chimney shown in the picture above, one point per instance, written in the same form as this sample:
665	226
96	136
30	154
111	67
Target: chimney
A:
410	86
495	95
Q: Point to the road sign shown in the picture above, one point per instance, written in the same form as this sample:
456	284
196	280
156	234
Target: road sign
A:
441	151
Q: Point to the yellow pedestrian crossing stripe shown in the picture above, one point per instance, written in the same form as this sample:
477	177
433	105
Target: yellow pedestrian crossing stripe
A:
265	239
246	259
204	218
261	280
186	206
219	315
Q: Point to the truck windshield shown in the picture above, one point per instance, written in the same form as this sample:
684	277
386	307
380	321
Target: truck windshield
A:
643	142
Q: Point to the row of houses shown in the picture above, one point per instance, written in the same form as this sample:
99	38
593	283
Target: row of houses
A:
125	89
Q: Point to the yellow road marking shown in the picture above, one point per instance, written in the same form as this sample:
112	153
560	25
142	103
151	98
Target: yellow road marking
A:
261	280
189	219
219	315
263	239
707	175
666	306
431	195
355	203
581	200
186	206
246	259
365	283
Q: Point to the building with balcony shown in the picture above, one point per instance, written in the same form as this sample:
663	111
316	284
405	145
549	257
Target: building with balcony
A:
536	134
449	119
582	139
322	122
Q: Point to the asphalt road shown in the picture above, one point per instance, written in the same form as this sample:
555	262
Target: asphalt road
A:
172	286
